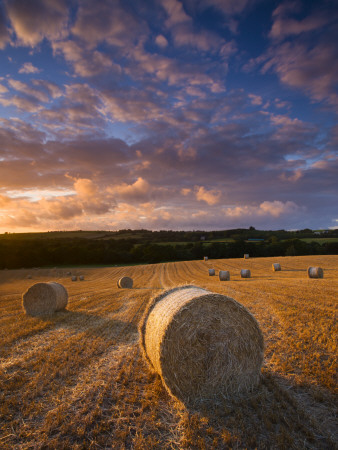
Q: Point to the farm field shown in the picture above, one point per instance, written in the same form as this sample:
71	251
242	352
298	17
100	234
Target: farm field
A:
76	379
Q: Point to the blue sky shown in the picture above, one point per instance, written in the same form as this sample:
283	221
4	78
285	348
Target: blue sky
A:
168	114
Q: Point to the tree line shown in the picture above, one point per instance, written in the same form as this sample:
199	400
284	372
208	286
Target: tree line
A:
19	253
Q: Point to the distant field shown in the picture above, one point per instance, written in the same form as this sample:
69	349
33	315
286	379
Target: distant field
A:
320	240
77	379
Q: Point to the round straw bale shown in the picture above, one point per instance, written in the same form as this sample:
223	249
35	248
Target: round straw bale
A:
276	267
68	274
74	278
29	277
245	273
211	272
224	275
204	345
125	283
246	256
206	258
44	298
81	277
315	272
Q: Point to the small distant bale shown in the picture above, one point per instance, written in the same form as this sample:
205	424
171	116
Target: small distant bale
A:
224	275
211	272
125	283
206	258
276	267
315	272
29	277
246	255
44	298
245	273
68	274
74	278
81	277
204	345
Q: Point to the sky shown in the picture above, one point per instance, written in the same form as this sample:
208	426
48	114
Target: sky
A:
168	114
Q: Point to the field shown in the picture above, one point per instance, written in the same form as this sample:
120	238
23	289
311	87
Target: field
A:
77	380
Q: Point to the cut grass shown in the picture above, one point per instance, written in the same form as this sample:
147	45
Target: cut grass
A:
77	380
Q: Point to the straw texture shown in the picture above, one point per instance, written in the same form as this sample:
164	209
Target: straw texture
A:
315	272
276	267
245	273
125	283
224	275
44	298
211	272
202	344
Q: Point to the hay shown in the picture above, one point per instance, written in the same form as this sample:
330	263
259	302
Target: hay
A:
81	277
29	277
224	275
68	274
206	258
211	272
246	256
44	298
74	278
276	267
315	272
125	283
245	273
203	345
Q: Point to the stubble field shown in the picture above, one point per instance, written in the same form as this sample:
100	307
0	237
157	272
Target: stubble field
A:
76	379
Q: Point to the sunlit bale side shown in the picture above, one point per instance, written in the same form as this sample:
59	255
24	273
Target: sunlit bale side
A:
125	283
246	256
276	267
211	272
245	273
44	298
315	272
204	345
224	275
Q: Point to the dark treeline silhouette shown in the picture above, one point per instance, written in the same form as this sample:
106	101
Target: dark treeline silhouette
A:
149	247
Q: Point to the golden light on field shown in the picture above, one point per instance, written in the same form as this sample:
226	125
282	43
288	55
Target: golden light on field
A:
76	378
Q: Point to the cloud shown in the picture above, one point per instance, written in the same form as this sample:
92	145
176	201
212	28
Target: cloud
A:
4	32
29	68
34	21
135	191
211	197
161	41
284	26
275	209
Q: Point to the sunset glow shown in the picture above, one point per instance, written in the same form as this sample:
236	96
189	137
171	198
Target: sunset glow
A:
168	114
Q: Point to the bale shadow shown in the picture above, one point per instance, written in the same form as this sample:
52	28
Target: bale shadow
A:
112	330
278	414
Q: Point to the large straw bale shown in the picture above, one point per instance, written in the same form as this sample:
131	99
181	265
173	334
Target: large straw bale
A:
315	272
245	273
246	255
276	267
211	272
44	298
125	283
204	345
224	275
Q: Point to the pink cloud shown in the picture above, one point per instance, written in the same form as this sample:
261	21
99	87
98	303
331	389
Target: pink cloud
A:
211	197
34	21
29	68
